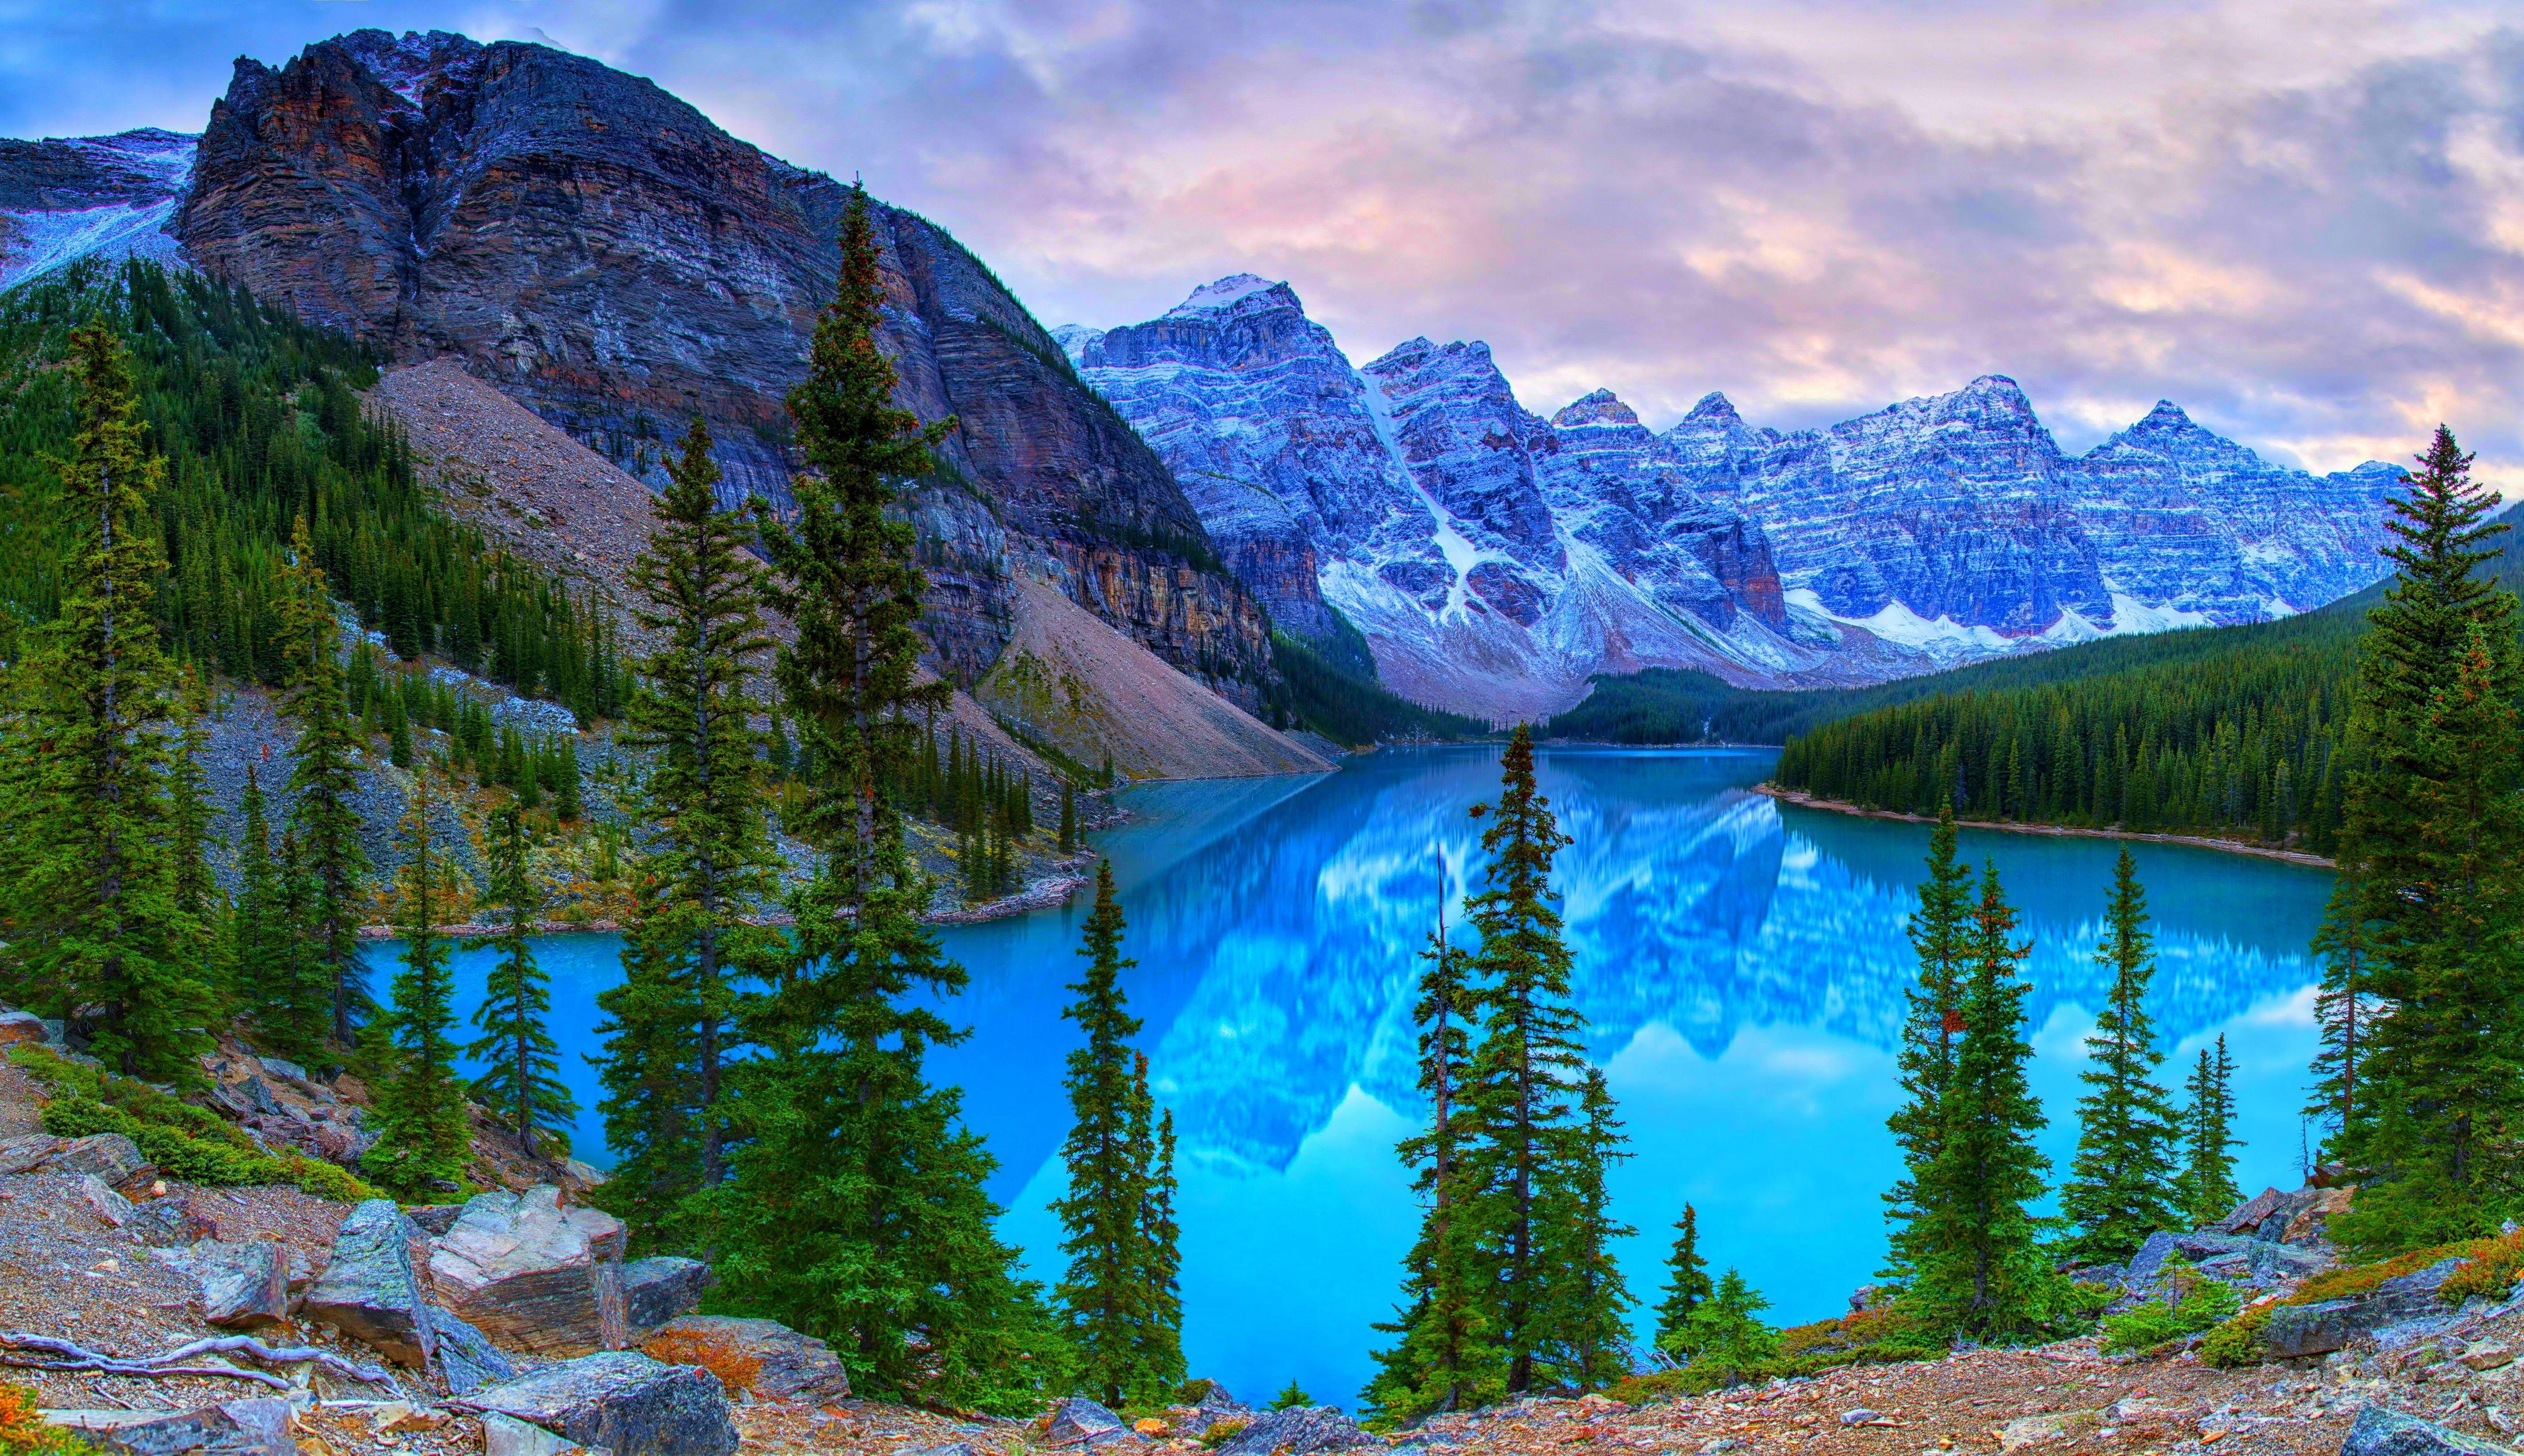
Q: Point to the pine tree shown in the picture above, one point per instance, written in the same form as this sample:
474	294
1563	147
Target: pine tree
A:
2344	1012
2433	841
1726	1333
902	1275
1977	1269
520	1087
1101	1215
190	838
1941	937
327	816
2206	1186
2120	1185
1530	1154
651	1076
422	1128
710	847
1068	816
263	951
1686	1279
1156	1351
1593	1344
1440	1361
100	919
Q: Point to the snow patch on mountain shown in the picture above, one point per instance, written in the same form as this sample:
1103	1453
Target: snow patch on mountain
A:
109	197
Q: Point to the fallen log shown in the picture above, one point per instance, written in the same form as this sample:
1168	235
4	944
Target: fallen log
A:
24	1350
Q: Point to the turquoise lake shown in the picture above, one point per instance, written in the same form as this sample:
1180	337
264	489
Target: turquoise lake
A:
1742	965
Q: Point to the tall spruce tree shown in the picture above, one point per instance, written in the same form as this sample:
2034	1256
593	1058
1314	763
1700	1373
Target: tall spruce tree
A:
1532	1153
1102	1215
100	909
2206	1186
1976	1265
1941	938
858	1210
1594	1341
1686	1279
2120	1185
1157	1343
1440	1360
2344	1014
2433	841
520	1086
703	792
649	1073
323	775
423	1135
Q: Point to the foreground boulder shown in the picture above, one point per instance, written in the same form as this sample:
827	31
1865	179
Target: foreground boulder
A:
623	1401
657	1289
533	1275
763	1358
1296	1431
2378	1431
1080	1422
27	1154
244	1286
466	1357
115	1159
367	1292
1215	1405
234	1428
2328	1325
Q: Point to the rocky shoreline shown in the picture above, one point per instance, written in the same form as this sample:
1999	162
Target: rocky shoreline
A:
1805	801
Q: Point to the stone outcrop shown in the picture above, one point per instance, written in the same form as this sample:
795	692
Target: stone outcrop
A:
534	1275
1298	1431
245	1284
1080	1422
233	1427
603	251
623	1401
115	1159
661	1288
366	1289
763	1358
466	1358
2380	1430
2328	1325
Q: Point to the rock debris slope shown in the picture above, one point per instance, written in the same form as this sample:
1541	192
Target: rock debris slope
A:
602	251
1492	559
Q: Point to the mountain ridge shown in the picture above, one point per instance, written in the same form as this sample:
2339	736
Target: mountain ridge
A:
1495	559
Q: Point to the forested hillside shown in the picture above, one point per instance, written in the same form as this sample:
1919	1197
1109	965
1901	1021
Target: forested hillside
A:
259	418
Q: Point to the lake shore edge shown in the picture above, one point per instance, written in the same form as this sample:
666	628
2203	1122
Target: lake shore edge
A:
1803	799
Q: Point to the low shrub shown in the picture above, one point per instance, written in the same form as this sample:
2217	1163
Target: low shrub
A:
2354	1280
2493	1265
1649	1388
22	1433
1223	1432
185	1141
2190	1302
2238	1341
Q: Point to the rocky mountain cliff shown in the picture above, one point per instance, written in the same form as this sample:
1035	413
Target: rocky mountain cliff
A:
1492	559
603	253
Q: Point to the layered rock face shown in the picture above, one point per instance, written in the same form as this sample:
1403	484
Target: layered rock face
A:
603	252
1957	524
1491	559
88	196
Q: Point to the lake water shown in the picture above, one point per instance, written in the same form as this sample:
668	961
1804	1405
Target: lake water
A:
1742	966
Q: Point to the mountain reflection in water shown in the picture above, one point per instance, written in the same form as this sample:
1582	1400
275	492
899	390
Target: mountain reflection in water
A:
1742	968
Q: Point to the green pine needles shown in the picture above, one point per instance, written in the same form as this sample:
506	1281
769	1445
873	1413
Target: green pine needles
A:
856	1210
1687	1283
103	916
1121	1294
520	1087
423	1135
1965	1246
2206	1187
1510	1287
2120	1186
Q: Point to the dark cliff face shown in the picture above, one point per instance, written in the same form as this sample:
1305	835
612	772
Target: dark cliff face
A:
605	253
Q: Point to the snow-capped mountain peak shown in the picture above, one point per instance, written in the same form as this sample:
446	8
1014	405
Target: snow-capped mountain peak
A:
1227	293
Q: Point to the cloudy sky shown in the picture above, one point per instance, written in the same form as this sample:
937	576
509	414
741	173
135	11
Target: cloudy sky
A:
2303	221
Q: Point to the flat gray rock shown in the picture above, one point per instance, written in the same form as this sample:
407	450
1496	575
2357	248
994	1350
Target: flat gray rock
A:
466	1357
1298	1431
110	1156
657	1289
1078	1419
2378	1431
623	1401
367	1292
533	1275
236	1428
244	1286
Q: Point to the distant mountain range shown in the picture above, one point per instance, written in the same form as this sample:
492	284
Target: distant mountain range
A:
1493	559
602	252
